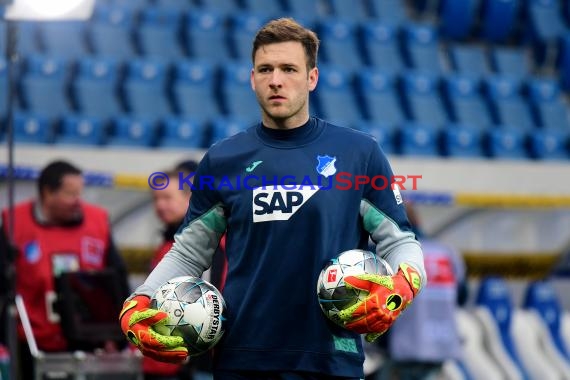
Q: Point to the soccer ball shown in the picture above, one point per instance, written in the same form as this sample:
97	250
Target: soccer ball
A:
332	294
195	310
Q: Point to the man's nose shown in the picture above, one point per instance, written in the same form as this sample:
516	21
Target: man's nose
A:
275	79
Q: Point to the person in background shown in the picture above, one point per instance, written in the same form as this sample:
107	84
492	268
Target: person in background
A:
55	233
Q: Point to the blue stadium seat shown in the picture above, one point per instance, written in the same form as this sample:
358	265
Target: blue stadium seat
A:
44	86
514	62
227	7
564	65
506	142
551	111
178	5
134	5
145	91
158	34
545	19
355	10
3	36
194	90
182	132
238	98
379	97
339	43
457	17
65	39
244	25
495	296
335	96
499	19
79	129
128	131
507	102
389	11
541	297
465	102
28	42
273	7
421	48
207	36
381	47
462	141
111	32
311	9
422	98
469	59
4	83
548	144
418	139
223	127
95	88
384	133
32	128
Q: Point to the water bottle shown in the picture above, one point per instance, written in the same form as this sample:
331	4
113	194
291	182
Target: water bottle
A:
4	363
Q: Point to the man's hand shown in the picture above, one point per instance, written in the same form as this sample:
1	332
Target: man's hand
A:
139	322
387	297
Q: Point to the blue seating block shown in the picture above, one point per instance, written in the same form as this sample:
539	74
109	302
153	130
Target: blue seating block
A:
462	141
384	133
224	127
499	19
182	133
505	142
111	32
548	144
507	102
339	43
128	131
465	102
65	39
32	128
336	98
421	48
207	36
244	26
422	98
418	140
379	97
82	130
457	17
159	35
381	47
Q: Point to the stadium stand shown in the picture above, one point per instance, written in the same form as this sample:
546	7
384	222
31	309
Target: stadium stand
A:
64	39
32	128
421	48
238	99
110	33
137	132
339	43
378	95
81	130
158	36
182	132
380	44
206	36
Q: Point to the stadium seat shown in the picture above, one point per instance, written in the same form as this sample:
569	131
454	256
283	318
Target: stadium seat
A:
478	362
508	105
3	35
550	144
545	27
4	83
194	90
462	141
111	32
273	7
422	98
550	109
541	297
207	36
356	10
158	34
28	39
144	89
457	17
134	5
81	130
44	86
182	132
335	96
244	25
499	18
379	97
421	48
380	44
514	62
465	102
506	142
32	128
223	127
95	88
178	5
384	133
226	7
128	131
469	59
238	98
389	11
339	43
495	312
418	139
65	39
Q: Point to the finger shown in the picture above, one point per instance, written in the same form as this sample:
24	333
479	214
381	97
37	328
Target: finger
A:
348	313
355	282
160	341
149	316
177	356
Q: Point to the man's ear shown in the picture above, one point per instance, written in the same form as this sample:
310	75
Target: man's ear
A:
313	78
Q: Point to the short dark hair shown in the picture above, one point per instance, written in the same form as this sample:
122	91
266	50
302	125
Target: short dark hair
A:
189	166
51	177
284	30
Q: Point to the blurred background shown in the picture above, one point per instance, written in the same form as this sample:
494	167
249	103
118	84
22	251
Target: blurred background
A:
471	95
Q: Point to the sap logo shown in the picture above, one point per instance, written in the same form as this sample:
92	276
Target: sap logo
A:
276	203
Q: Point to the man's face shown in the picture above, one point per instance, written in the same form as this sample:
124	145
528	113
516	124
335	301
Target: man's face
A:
282	84
64	204
170	204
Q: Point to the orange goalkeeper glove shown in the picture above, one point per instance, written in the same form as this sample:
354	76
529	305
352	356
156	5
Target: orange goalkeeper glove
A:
387	297
139	322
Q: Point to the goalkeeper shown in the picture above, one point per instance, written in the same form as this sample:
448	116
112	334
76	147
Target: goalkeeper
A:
281	228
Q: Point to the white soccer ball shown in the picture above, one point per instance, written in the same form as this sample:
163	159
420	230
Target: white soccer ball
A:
195	310
332	294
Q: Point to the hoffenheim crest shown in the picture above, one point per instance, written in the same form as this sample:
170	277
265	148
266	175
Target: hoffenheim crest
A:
325	165
32	252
